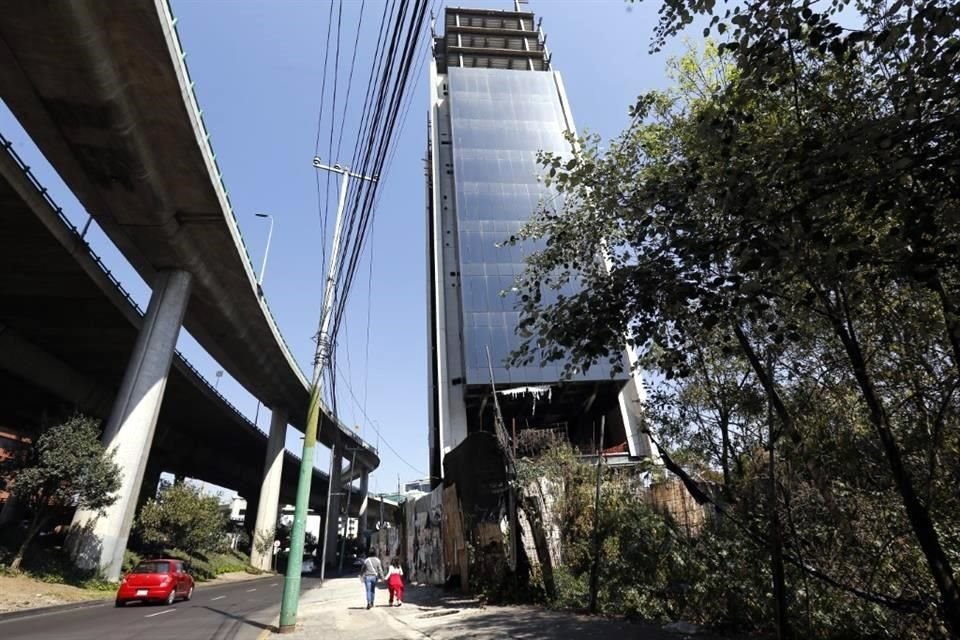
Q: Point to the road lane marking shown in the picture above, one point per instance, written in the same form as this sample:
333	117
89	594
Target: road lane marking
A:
217	598
273	584
159	613
249	590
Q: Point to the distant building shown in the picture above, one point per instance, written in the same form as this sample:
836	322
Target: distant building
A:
417	485
12	441
238	509
495	102
350	528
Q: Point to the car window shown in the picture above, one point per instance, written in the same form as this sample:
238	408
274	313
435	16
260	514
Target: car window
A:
152	567
178	567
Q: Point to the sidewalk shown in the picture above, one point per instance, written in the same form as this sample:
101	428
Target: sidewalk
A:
337	611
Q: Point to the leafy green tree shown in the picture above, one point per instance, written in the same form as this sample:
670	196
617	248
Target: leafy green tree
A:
65	467
790	211
182	517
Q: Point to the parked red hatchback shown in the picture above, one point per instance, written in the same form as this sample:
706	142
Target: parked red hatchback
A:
159	580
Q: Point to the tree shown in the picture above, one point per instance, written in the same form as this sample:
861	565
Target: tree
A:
65	467
790	207
182	517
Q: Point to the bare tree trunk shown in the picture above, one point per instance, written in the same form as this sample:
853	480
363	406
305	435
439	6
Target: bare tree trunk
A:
724	422
952	318
917	513
766	380
777	571
39	519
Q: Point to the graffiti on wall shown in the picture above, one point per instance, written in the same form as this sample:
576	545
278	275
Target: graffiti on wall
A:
424	542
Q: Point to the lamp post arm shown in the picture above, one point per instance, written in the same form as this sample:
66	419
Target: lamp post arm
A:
266	253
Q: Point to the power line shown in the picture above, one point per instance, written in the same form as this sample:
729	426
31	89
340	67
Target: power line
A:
386	104
353	61
333	104
322	204
373	424
382	140
380	135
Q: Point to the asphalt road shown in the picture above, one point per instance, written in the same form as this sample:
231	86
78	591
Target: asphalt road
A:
234	611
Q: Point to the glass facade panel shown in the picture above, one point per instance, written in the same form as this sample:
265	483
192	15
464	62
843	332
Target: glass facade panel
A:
500	120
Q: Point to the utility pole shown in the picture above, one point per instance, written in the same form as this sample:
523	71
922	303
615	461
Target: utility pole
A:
595	569
291	584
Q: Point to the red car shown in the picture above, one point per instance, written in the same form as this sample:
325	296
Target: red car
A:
161	580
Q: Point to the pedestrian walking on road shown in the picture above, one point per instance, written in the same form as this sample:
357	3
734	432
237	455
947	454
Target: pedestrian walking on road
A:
395	581
371	572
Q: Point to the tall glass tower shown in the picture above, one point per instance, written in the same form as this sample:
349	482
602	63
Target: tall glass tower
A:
495	102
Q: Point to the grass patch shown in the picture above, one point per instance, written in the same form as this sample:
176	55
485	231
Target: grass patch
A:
52	565
208	566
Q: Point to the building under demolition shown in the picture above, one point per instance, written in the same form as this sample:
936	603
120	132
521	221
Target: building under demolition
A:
495	102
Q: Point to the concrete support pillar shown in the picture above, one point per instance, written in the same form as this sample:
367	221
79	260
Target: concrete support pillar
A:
266	523
151	479
99	540
364	503
333	504
250	515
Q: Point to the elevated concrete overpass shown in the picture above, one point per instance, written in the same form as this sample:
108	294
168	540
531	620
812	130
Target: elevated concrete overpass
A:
103	90
67	328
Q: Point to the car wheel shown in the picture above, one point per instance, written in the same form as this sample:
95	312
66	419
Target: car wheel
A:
118	603
189	593
172	596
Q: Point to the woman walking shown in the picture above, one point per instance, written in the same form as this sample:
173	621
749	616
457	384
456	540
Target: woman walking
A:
395	581
371	572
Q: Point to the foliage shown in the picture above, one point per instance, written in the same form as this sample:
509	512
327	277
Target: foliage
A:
182	517
66	467
208	566
263	541
130	560
651	568
52	564
777	238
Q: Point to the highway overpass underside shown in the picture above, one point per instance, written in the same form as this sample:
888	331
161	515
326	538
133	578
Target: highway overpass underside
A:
66	336
103	90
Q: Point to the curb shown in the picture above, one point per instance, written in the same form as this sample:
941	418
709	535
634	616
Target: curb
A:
252	576
57	608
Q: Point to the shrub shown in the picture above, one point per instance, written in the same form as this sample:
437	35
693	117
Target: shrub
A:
182	517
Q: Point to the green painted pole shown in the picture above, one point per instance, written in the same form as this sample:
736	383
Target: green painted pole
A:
291	583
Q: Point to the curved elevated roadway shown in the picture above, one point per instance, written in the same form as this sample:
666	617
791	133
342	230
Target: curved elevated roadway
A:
104	91
67	328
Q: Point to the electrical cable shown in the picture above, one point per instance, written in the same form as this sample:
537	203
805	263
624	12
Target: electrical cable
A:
376	428
386	104
322	209
386	135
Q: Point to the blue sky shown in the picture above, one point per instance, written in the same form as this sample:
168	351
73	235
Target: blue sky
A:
258	70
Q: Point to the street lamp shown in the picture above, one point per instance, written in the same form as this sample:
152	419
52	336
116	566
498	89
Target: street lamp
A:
218	374
266	252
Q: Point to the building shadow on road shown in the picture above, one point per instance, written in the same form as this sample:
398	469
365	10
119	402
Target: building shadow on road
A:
447	614
437	598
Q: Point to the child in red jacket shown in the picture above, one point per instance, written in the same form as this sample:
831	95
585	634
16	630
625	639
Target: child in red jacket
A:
395	581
